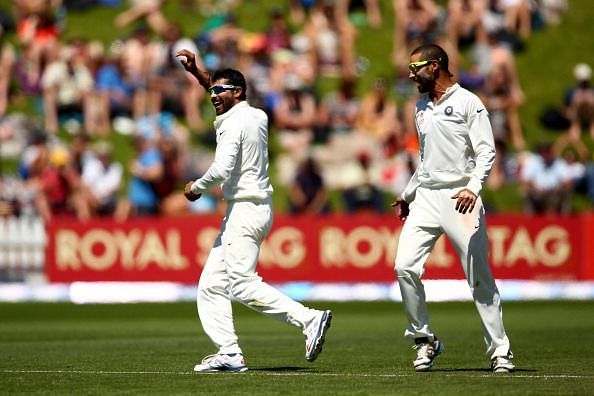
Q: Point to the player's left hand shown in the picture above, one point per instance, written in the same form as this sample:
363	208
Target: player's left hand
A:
188	192
466	200
401	207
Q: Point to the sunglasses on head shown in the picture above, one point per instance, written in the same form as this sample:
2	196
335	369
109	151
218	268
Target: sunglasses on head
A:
217	89
416	66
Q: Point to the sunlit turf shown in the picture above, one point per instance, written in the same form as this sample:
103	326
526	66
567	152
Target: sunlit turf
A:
144	349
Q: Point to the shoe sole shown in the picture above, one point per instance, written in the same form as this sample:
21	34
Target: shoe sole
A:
503	370
324	326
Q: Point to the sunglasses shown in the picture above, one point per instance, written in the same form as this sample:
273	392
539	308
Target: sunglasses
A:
217	89
414	67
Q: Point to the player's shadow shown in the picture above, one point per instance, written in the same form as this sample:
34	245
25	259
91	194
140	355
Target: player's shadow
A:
279	369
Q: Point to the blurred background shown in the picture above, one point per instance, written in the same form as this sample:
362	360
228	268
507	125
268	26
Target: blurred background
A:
100	128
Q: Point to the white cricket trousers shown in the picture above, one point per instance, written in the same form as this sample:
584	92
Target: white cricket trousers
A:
231	269
433	213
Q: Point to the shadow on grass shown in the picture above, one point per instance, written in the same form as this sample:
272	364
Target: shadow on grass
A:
280	369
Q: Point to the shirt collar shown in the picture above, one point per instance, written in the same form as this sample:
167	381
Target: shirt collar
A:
451	89
220	118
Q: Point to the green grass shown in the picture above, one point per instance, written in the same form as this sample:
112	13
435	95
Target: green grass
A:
139	349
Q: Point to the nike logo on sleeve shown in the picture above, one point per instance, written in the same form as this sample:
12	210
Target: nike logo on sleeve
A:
478	111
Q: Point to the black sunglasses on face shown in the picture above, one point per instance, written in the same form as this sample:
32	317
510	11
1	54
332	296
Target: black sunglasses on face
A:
217	89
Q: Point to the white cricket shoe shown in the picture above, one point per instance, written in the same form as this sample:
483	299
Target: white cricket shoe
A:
233	362
503	364
315	333
426	354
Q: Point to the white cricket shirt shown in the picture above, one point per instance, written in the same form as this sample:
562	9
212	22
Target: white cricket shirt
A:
241	158
455	142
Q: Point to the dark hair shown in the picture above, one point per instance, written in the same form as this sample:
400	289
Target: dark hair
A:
436	53
234	77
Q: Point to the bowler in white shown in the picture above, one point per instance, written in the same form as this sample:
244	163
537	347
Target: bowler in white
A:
240	167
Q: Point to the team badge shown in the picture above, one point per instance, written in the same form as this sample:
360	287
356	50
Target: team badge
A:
449	110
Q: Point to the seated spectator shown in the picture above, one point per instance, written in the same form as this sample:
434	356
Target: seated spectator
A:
363	196
517	17
361	12
307	193
147	10
114	91
35	155
581	167
224	41
38	33
339	110
503	107
486	58
415	23
464	23
546	182
15	130
300	10
59	188
378	113
170	87
295	116
579	102
66	83
278	35
552	10
80	151
256	64
333	38
299	63
102	178
140	55
8	207
509	20
303	61
172	170
146	169
17	197
7	61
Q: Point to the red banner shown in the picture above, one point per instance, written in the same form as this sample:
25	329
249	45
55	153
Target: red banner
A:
338	248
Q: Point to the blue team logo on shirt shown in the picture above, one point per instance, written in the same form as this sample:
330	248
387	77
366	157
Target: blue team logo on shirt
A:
449	110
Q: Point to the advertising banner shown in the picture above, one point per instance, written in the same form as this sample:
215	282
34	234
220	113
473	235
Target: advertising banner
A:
336	248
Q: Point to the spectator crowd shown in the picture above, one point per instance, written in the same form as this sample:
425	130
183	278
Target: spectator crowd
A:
361	145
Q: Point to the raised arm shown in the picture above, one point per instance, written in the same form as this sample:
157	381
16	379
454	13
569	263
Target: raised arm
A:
191	67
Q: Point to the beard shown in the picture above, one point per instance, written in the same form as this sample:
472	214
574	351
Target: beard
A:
426	82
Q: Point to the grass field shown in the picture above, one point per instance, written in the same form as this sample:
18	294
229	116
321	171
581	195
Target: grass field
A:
143	349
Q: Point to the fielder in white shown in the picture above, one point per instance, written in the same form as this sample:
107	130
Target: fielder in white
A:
241	167
456	155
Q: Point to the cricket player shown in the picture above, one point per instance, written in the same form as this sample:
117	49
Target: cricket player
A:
456	155
241	166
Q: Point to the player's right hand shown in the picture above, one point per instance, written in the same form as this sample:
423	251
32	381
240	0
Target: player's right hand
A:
190	196
401	207
187	59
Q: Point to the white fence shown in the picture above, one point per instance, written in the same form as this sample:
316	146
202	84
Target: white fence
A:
22	249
